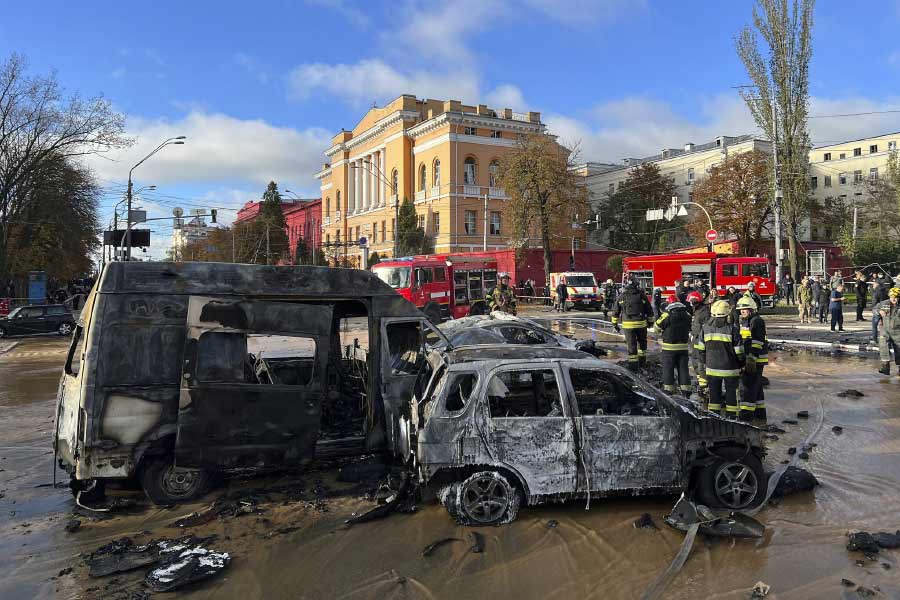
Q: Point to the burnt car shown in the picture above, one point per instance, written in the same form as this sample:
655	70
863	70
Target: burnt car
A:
499	427
502	328
38	319
180	372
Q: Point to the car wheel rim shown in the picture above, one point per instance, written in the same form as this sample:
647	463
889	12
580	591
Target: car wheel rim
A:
485	499
65	329
736	485
179	483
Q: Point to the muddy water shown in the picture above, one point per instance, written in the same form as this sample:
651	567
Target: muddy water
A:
592	553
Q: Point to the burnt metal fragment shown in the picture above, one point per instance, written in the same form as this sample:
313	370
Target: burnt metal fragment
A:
887	540
862	541
803	414
789	421
430	548
847	582
773	428
864	592
645	521
552	524
851	394
792	450
804	455
186	566
837	429
713	523
477	542
404	500
73	525
793	481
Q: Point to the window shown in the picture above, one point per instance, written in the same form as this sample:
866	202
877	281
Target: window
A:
690	196
611	189
337	200
327	207
496	134
843	155
421	220
842	178
470	131
424	275
237	357
525	393
393	227
828	233
873	174
690	179
469	171
30	312
857	152
873	148
56	310
440	274
375	232
857	177
395	181
337	236
599	393
357	233
405	347
459	390
470	222
383	231
422	177
576	244
814	182
826	156
729	270
757	269
892	146
436	173
494	169
495	223
828	181
516	334
436	223
327	238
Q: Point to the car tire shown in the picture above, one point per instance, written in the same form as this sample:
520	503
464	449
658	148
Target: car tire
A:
2	333
164	484
483	498
65	329
735	480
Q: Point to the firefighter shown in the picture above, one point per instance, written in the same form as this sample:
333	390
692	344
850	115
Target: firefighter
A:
502	297
722	354
756	352
609	297
889	335
701	315
675	326
632	314
753	295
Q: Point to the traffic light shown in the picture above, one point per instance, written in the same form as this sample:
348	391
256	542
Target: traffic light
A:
212	214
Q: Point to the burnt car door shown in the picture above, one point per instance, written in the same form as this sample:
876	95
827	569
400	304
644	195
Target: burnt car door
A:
252	383
529	426
629	439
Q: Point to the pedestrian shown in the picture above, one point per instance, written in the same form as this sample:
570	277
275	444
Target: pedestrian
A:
824	294
836	307
804	301
862	290
836	280
632	314
502	298
788	286
609	297
815	288
682	290
756	353
889	332
675	326
879	295
700	310
562	295
529	290
722	354
656	303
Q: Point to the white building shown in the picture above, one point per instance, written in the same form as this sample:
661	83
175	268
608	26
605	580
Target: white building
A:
187	231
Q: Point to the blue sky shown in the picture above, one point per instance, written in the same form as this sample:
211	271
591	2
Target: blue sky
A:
259	88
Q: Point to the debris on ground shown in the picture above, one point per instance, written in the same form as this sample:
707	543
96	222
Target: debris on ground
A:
887	541
851	394
188	565
847	582
773	428
794	480
552	524
864	592
403	500
792	450
770	436
645	521
862	541
731	524
837	429
789	421
760	590
121	555
430	548
804	455
73	525
477	542
803	414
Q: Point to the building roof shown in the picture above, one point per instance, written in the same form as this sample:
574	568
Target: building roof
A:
869	137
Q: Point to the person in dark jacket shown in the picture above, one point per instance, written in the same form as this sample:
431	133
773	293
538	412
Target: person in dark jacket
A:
836	307
879	294
675	326
889	332
787	286
656	303
562	295
756	353
700	307
722	353
862	290
824	294
632	314
681	290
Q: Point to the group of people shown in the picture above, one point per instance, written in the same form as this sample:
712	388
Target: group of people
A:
724	338
821	297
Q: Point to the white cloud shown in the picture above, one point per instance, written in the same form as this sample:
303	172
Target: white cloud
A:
354	16
506	96
583	13
251	66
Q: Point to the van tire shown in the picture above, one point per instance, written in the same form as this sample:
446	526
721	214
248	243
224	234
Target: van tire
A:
164	484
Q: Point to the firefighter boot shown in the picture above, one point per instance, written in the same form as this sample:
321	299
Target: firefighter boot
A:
885	368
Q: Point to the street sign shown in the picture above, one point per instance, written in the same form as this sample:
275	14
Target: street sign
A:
711	235
138	216
139	237
655	214
363	241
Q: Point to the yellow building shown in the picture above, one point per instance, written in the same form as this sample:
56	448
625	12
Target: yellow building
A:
443	155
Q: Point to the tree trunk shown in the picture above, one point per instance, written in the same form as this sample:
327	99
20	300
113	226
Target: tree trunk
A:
545	241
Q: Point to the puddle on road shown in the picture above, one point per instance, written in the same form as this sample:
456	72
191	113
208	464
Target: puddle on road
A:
590	554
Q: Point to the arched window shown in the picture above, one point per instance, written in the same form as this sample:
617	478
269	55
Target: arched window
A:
337	201
436	173
327	206
494	173
422	177
395	182
470	171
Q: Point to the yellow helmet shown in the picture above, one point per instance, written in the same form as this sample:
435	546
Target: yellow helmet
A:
894	291
720	308
745	302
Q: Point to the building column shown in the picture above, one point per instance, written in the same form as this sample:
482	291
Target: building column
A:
367	181
385	189
351	189
357	197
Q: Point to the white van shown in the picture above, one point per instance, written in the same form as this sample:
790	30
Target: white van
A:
583	290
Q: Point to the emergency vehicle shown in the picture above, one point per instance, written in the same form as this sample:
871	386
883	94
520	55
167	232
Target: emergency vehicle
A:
719	272
442	286
583	290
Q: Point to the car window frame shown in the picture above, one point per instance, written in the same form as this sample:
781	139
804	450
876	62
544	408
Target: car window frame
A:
664	404
529	366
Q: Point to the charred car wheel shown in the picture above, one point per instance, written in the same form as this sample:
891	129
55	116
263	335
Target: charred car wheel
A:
735	480
484	498
165	484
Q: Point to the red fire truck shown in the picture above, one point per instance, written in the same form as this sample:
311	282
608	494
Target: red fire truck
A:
442	285
719	272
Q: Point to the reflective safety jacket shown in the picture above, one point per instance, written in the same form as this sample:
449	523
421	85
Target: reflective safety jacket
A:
502	298
632	309
701	316
753	334
721	348
675	325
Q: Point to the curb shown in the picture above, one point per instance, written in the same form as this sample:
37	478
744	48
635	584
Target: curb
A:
8	348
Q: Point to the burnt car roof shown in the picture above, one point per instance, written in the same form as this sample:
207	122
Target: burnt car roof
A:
513	352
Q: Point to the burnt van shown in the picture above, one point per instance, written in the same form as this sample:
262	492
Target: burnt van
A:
178	372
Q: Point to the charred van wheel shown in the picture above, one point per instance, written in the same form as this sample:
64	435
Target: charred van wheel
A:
734	481
484	498
65	329
165	484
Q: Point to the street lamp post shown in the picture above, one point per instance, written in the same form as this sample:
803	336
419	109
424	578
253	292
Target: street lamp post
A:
378	173
171	141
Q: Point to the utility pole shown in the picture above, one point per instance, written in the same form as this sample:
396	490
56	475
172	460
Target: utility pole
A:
267	243
484	245
233	259
778	193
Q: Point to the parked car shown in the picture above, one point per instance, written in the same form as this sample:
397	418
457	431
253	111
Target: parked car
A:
38	319
497	427
502	328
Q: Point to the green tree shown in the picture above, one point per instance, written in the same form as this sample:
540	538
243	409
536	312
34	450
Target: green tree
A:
779	99
302	255
272	219
374	259
614	264
868	248
411	238
624	212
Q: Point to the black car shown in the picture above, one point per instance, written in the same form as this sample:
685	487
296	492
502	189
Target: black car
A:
38	319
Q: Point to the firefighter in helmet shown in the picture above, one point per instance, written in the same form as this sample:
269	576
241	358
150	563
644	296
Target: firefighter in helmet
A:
722	353
675	326
502	297
700	306
756	351
633	313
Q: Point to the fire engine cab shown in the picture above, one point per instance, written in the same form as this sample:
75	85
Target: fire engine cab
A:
442	286
719	272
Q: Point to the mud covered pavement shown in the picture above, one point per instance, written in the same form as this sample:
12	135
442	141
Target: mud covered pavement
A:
286	537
